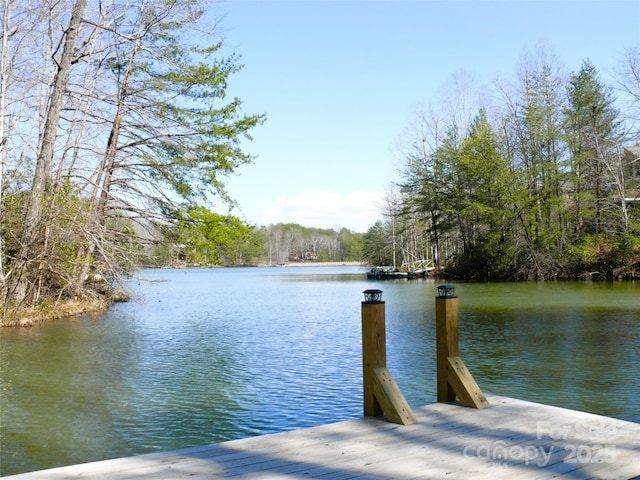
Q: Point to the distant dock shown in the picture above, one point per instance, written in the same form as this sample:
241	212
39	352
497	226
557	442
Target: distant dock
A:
513	439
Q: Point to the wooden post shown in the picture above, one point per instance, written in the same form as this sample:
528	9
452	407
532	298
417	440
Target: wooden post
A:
381	393
453	378
446	343
374	349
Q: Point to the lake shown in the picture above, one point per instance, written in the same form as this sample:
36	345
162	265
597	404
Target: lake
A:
207	355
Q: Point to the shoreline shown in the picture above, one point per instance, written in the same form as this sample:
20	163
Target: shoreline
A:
30	317
315	264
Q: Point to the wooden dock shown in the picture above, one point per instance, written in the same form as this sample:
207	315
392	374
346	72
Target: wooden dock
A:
512	439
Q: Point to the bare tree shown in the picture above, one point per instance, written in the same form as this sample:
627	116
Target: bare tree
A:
125	126
628	83
4	83
33	230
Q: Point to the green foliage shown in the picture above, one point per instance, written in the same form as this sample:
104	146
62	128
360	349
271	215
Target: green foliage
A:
593	135
11	221
351	246
213	239
377	248
65	236
148	132
606	256
192	134
533	192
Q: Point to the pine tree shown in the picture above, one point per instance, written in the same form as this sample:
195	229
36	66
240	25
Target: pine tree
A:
592	129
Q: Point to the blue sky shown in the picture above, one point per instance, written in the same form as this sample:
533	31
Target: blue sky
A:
339	82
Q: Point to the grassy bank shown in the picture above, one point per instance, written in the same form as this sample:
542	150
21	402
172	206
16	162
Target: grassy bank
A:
28	317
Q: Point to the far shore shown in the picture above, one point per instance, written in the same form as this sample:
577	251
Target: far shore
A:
29	317
315	264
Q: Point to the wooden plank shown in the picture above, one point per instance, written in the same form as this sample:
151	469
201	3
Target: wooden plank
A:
447	441
394	405
464	385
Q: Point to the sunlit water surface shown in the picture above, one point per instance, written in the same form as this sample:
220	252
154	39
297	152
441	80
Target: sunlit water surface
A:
202	356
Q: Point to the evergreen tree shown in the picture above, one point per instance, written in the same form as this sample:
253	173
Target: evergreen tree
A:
377	248
483	181
592	129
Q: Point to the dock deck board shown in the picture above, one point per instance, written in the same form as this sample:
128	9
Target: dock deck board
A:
513	439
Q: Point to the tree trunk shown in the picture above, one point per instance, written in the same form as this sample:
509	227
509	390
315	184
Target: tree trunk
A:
31	248
4	82
100	198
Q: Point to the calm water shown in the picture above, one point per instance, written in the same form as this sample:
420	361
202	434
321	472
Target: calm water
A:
203	356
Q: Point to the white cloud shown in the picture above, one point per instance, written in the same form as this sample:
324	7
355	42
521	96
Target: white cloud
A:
356	211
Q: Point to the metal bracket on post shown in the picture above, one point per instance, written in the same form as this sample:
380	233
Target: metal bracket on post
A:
454	379
381	393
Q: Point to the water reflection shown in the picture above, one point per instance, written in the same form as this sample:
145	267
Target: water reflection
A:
203	356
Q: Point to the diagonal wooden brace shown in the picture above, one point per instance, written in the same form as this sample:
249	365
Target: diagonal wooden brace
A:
390	398
463	384
453	378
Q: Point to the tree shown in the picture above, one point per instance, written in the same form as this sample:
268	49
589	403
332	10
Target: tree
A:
628	80
137	127
214	239
28	275
481	179
5	69
292	242
628	83
350	245
533	141
377	248
428	189
168	130
593	134
428	182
